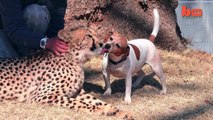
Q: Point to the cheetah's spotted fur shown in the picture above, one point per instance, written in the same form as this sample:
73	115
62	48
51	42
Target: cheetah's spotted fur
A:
54	80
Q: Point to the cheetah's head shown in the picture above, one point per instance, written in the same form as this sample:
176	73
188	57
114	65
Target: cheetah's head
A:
83	41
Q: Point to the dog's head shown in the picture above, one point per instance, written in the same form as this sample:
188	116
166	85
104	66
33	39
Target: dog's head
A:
115	43
82	40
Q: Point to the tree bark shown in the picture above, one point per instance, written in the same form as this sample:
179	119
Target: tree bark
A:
129	17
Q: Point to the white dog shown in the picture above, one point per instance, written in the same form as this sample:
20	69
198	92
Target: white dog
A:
124	58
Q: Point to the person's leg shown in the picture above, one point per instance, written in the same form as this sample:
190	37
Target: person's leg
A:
37	19
6	48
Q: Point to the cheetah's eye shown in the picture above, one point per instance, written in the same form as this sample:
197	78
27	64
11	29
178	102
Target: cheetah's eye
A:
93	47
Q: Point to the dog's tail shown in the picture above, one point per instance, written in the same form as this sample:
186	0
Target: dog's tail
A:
156	25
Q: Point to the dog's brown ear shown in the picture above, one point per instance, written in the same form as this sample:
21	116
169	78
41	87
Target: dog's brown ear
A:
112	30
107	36
123	42
124	39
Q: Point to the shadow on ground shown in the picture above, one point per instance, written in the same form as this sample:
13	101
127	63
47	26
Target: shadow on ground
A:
118	86
189	113
91	74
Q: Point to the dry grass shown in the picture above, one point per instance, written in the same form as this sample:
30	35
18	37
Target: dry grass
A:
190	93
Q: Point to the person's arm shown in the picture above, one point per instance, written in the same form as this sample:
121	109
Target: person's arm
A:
57	17
56	22
13	24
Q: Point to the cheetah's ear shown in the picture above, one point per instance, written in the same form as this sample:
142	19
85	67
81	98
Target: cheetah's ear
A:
78	35
64	35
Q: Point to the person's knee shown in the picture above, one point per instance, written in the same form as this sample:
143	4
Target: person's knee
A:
37	18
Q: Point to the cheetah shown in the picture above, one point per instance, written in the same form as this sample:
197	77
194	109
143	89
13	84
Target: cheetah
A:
56	81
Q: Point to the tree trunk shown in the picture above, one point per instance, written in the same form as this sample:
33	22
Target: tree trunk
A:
129	17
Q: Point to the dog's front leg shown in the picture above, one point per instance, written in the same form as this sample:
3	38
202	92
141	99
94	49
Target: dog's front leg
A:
128	91
108	90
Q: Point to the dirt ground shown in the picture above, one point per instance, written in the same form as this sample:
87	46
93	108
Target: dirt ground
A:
190	93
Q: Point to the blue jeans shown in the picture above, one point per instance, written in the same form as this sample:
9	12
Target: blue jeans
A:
36	19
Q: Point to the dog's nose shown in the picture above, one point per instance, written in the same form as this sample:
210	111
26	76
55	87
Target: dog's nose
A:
107	46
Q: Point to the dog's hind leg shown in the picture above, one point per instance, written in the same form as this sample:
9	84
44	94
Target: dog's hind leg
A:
158	70
162	78
140	76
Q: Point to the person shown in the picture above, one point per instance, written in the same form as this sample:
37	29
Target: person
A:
28	26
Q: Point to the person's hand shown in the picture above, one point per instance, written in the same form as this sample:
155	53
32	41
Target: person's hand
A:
57	46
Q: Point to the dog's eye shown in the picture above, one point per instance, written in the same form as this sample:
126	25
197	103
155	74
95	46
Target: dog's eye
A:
118	45
111	39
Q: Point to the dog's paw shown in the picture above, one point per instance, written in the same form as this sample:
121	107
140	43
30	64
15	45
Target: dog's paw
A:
162	92
108	92
127	100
